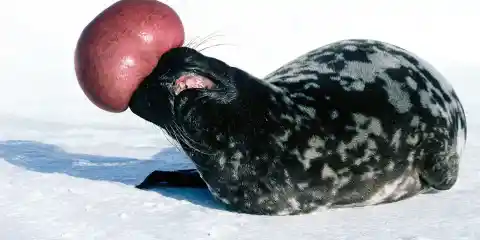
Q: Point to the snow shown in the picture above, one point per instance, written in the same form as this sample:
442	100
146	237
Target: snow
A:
68	169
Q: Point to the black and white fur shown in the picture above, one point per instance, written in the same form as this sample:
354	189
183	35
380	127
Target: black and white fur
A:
353	123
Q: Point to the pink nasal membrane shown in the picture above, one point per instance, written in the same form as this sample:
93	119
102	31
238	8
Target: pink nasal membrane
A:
192	81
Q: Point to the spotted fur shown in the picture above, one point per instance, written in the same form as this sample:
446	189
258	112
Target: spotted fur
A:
353	123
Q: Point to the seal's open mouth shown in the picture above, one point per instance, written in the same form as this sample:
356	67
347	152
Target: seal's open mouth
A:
192	81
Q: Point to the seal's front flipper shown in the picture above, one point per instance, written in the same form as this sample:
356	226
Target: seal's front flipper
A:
439	168
189	178
441	172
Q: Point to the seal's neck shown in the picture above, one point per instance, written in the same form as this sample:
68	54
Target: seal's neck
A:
246	109
255	104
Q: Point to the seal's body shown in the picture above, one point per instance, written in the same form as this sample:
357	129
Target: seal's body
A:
353	123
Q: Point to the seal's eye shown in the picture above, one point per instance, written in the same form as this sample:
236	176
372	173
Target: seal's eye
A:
192	81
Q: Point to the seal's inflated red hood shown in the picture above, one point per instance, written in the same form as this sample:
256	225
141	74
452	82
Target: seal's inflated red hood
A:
121	46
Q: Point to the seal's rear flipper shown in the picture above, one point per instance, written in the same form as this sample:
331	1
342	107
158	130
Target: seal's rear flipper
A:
441	173
188	178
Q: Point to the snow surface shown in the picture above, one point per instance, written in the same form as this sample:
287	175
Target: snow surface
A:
67	169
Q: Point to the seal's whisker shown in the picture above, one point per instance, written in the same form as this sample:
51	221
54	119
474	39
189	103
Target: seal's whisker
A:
206	39
210	36
191	41
187	139
176	135
185	135
215	45
173	143
182	136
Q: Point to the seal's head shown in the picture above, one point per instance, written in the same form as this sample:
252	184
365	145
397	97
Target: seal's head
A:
188	91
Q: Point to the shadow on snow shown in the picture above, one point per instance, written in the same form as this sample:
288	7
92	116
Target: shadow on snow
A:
48	158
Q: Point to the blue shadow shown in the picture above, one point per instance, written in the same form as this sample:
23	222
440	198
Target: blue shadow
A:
48	158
